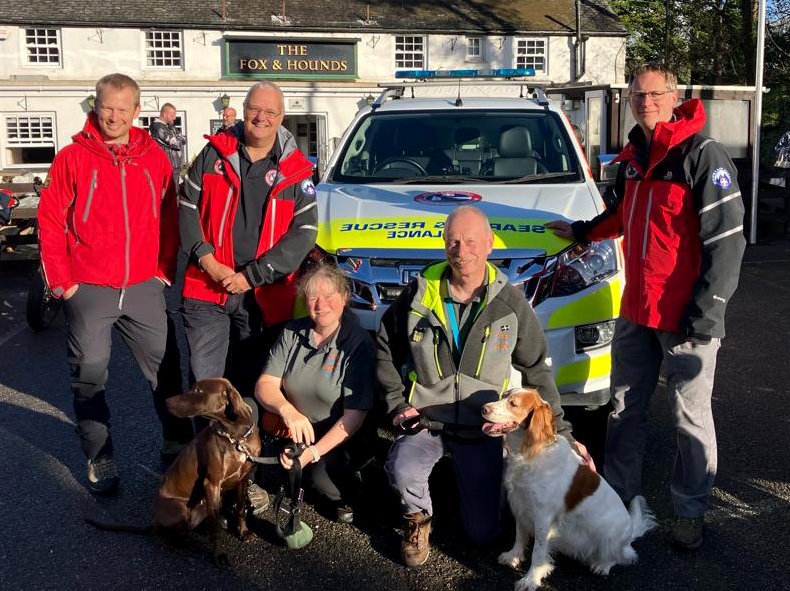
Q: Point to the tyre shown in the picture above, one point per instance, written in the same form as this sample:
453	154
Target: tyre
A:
42	306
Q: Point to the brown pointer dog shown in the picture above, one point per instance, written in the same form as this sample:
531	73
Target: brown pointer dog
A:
214	462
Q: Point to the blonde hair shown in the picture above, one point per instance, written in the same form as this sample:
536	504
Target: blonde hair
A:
656	68
328	272
118	82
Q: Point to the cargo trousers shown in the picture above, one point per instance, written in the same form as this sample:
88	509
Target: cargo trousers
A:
638	353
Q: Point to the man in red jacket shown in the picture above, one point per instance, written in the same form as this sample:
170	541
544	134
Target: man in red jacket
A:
108	248
680	213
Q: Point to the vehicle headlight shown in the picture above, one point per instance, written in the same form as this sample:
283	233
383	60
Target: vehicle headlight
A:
583	265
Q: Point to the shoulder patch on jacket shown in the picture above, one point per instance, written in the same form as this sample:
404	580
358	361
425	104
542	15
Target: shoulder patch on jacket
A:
721	178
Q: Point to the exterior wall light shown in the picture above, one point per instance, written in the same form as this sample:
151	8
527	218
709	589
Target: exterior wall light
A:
370	99
91	101
224	100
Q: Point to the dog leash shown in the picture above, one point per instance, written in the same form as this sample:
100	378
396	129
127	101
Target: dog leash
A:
241	445
294	494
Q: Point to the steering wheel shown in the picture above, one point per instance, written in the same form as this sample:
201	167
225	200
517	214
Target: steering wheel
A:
388	164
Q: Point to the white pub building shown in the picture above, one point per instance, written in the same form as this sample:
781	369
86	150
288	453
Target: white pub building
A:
328	57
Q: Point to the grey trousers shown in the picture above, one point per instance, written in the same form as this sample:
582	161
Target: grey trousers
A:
637	355
478	470
140	319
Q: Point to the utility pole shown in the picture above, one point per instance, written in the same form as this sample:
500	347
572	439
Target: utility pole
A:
758	115
667	28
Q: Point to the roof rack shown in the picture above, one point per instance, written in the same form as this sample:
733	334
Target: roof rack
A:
397	90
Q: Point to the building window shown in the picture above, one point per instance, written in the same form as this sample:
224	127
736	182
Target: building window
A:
144	120
531	53
409	51
163	49
42	47
474	49
30	139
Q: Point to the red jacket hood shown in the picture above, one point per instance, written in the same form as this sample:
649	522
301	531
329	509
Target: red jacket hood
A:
90	137
687	119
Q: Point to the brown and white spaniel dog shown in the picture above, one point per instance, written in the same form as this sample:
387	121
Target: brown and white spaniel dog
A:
555	497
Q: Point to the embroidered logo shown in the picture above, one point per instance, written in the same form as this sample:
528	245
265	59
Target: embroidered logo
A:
270	176
308	188
218	167
330	362
417	335
668	176
502	339
630	172
721	178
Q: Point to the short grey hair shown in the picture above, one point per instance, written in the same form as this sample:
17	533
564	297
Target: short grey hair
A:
267	85
470	209
654	67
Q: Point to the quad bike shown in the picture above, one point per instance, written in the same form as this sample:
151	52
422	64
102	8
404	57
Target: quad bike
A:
42	306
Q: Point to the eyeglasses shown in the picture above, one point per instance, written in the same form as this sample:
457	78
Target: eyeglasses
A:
265	113
653	94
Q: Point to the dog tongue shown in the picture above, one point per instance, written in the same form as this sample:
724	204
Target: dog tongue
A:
495	429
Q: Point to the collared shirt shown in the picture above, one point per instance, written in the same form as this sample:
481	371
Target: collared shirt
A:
255	190
323	381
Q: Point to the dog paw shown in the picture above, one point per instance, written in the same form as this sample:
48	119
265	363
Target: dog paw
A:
535	575
511	559
248	537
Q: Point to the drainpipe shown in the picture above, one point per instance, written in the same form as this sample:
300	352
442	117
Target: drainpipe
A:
580	65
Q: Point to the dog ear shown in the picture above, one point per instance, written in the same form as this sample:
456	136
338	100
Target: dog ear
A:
541	428
236	405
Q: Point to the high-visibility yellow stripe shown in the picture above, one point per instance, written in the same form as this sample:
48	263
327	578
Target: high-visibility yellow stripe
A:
586	369
413	378
425	231
602	304
482	352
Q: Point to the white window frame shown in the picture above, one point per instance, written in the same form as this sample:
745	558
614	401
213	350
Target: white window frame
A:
479	56
39	140
529	54
25	47
409	53
150	36
145	118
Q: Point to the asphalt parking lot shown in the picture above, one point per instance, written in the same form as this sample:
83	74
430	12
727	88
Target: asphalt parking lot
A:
45	543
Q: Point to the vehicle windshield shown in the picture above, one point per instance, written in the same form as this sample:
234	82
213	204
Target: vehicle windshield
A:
459	147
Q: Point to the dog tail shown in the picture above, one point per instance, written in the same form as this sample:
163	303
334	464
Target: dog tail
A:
134	529
642	518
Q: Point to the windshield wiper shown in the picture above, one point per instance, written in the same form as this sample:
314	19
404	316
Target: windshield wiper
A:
439	179
538	177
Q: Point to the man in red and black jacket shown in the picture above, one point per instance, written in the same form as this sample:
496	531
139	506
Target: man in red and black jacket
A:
247	218
680	212
108	248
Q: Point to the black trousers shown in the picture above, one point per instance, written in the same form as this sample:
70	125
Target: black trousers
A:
140	319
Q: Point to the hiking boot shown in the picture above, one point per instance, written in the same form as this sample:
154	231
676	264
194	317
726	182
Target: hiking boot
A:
344	512
102	476
257	499
414	548
170	450
686	532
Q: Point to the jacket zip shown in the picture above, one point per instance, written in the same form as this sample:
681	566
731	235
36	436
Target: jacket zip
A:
127	244
274	221
153	192
647	220
436	354
482	352
225	216
90	197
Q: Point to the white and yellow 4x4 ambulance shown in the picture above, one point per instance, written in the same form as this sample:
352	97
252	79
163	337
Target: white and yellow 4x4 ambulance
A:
419	151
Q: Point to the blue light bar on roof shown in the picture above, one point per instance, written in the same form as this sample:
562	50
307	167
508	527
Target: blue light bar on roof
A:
494	73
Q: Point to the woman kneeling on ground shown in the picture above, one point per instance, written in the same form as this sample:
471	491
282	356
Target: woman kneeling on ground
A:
319	381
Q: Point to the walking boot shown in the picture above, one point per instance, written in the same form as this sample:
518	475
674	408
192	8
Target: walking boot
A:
415	548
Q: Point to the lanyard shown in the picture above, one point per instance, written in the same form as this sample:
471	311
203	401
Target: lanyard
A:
450	309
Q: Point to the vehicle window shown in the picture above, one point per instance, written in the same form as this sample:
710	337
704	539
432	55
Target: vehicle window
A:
490	147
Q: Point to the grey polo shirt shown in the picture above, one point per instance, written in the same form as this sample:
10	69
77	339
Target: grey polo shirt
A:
322	382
